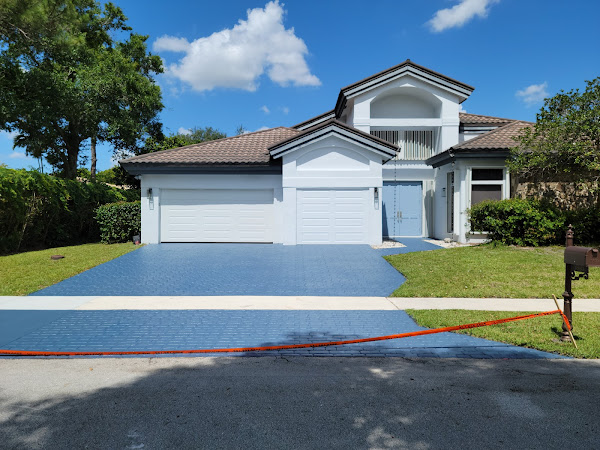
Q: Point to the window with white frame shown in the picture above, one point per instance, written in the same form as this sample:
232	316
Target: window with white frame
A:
486	184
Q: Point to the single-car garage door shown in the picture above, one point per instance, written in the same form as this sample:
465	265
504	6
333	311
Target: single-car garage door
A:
332	216
216	215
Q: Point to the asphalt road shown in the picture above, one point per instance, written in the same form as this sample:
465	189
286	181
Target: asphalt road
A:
299	403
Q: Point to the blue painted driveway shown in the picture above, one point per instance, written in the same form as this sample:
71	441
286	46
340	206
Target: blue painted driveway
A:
242	269
197	329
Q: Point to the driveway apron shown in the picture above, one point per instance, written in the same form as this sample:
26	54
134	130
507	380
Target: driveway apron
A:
149	330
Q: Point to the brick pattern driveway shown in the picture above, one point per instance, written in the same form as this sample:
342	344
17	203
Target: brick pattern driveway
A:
239	269
193	329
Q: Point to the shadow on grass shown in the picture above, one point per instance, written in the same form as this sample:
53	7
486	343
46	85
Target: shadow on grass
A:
559	332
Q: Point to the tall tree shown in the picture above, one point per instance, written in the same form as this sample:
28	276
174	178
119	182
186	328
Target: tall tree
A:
564	144
66	79
195	136
156	142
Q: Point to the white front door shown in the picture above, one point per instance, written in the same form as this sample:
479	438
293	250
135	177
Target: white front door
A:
216	215
332	216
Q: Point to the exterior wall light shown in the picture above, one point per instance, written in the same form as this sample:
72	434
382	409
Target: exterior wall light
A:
376	197
150	198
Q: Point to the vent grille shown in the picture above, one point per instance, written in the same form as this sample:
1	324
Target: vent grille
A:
413	145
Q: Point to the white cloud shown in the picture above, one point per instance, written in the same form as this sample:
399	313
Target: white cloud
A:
171	44
263	128
237	57
533	94
265	109
10	135
18	155
285	110
460	14
461	109
184	131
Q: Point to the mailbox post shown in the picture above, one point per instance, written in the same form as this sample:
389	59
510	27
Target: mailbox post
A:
568	294
577	263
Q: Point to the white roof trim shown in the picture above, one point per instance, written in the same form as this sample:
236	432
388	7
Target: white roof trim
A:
330	130
460	91
315	122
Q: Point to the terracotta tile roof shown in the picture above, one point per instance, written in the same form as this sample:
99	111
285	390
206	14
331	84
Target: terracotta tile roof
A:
250	148
499	139
466	118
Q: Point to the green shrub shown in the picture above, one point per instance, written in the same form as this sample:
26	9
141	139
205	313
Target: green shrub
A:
38	211
119	222
518	222
586	225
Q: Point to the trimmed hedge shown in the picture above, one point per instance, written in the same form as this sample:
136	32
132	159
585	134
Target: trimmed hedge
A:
533	223
119	222
40	211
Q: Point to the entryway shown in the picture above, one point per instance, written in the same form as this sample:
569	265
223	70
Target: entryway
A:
402	208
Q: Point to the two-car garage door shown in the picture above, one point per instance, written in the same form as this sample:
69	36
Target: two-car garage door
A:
328	216
216	215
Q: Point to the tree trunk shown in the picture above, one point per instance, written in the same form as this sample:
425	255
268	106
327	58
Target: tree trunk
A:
93	167
71	161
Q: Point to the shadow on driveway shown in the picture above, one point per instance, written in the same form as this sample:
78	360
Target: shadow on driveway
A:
297	403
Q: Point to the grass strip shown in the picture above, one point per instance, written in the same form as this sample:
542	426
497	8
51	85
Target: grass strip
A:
486	271
24	273
541	333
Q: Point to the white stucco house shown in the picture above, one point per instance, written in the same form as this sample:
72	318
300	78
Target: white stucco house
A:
394	158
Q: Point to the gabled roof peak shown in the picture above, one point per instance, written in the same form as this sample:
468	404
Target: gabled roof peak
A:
406	67
376	144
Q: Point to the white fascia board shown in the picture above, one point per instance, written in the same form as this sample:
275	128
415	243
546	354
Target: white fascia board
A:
443	84
317	121
340	133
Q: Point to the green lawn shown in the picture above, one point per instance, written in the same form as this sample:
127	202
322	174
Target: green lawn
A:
28	272
542	333
487	271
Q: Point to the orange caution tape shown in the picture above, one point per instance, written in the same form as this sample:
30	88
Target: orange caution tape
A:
284	347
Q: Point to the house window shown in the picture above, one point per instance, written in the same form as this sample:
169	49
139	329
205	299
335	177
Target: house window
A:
486	184
413	145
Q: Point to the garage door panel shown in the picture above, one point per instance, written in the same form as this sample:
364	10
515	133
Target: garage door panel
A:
332	216
351	222
216	215
348	238
316	238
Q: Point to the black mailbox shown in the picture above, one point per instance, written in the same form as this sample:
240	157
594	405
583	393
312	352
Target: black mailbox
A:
582	257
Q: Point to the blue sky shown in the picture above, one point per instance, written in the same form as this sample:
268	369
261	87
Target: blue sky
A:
265	64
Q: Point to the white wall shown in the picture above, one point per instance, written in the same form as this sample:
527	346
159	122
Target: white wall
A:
405	103
331	163
462	197
157	182
408	103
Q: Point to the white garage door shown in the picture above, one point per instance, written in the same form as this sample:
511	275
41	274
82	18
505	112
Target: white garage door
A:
332	216
216	215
